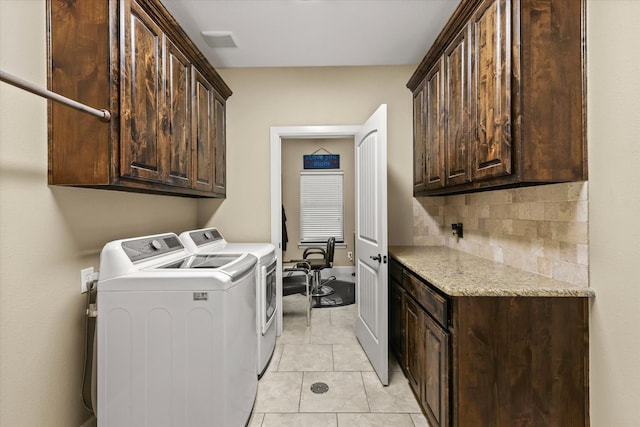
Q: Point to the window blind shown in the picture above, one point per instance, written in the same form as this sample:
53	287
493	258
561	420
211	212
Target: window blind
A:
321	206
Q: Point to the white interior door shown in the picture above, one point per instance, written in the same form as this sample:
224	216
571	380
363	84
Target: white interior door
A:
371	241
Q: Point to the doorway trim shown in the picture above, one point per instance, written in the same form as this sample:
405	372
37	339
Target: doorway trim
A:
278	133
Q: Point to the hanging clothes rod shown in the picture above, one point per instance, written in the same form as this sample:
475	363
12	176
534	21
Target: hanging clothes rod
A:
104	115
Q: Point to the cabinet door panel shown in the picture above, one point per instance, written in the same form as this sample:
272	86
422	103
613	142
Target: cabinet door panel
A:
413	343
435	127
435	386
142	97
396	331
457	108
419	140
178	135
491	89
220	145
203	133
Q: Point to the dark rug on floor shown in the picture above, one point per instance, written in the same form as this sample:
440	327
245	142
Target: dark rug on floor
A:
345	294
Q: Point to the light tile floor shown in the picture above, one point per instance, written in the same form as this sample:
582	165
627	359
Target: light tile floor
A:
328	352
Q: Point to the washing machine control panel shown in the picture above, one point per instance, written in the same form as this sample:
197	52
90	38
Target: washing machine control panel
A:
205	237
148	247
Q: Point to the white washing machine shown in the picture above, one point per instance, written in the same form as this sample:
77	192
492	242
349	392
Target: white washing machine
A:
176	335
210	240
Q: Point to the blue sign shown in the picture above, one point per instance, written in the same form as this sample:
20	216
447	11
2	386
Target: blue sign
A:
321	161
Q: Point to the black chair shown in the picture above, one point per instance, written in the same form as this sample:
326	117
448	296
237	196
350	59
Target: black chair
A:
317	259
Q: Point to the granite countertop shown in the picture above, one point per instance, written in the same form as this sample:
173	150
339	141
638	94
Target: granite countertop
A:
460	274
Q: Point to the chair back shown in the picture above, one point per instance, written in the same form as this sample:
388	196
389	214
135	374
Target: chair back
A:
331	248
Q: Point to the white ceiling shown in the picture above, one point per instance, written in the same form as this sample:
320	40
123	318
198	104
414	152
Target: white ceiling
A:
298	33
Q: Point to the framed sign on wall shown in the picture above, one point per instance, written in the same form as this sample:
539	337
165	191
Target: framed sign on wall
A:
321	161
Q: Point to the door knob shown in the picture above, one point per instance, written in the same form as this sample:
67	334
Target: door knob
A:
376	258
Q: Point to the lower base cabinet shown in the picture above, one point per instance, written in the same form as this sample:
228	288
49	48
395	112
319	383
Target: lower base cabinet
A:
413	344
426	360
434	394
492	361
396	335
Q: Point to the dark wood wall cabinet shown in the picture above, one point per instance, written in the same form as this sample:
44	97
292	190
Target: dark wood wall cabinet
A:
487	360
499	99
167	132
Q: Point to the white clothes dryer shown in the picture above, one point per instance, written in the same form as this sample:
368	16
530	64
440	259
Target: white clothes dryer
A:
210	240
176	335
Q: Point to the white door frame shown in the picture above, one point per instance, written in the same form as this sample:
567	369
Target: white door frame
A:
277	135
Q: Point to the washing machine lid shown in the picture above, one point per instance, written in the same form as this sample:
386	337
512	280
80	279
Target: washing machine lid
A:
234	265
208	240
203	261
265	252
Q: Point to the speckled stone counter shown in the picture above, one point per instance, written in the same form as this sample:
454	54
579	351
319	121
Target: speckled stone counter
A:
460	274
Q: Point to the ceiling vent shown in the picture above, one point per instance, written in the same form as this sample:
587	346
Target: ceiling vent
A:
219	38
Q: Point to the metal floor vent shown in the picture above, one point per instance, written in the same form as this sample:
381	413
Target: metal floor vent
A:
319	388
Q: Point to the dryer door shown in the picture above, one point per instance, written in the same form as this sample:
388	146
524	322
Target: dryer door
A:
268	294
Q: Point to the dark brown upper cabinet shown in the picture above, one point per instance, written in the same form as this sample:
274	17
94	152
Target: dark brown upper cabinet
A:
419	139
179	111
203	132
220	146
491	90
456	98
166	135
511	110
143	150
434	127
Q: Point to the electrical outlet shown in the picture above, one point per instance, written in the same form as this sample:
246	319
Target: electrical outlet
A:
457	230
86	276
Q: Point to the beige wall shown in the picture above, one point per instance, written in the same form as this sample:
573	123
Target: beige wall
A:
292	152
267	97
614	206
47	234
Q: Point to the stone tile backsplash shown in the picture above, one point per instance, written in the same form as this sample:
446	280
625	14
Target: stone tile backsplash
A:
541	229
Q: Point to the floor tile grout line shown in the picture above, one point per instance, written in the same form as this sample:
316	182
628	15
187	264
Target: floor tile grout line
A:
366	395
333	356
300	397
